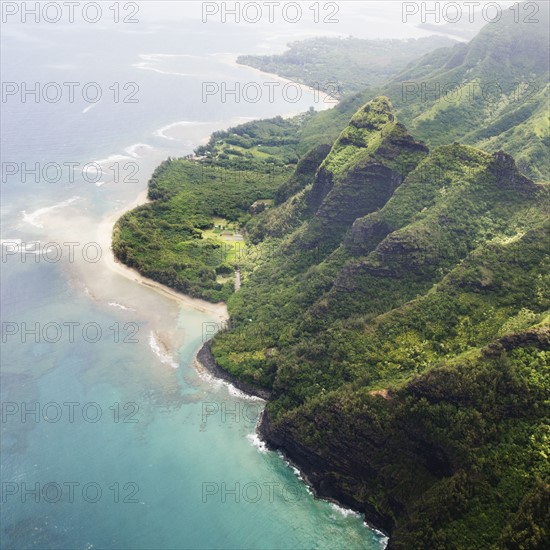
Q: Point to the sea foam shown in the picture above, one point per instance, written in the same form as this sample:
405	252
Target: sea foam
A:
161	132
257	442
151	59
32	218
120	306
132	150
164	357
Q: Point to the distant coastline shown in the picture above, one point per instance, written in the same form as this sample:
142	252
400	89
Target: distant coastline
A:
324	98
105	229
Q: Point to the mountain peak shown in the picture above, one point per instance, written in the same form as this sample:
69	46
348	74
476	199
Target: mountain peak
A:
364	133
364	167
374	115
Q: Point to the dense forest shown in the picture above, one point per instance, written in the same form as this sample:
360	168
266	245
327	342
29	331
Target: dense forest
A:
396	292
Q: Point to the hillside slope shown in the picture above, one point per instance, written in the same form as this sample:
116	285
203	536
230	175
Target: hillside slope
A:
395	304
492	93
342	66
445	278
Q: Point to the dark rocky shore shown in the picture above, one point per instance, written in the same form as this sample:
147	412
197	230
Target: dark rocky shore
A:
315	471
206	360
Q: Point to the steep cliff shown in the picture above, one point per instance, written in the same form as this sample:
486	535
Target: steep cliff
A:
365	166
407	356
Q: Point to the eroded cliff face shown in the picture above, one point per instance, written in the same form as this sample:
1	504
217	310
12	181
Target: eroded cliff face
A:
508	177
437	175
304	173
380	463
365	166
455	199
334	477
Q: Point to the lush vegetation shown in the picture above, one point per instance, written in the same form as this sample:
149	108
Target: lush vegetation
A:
418	348
255	144
172	239
397	300
492	93
189	236
457	458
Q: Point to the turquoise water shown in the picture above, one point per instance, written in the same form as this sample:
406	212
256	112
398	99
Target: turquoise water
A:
129	447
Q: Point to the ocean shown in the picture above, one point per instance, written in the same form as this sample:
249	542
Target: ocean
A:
110	437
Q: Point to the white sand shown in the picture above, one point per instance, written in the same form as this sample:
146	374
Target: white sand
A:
104	235
325	101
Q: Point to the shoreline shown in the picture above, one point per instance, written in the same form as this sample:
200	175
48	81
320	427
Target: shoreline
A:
105	229
325	100
205	360
104	236
317	483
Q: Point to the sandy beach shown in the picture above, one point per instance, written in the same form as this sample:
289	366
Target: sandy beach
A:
324	100
104	235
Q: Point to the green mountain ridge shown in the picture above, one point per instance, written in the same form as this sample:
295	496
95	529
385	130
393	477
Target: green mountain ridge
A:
339	66
448	265
365	165
490	93
395	304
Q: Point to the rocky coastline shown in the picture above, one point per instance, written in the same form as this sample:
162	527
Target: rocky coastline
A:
314	470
